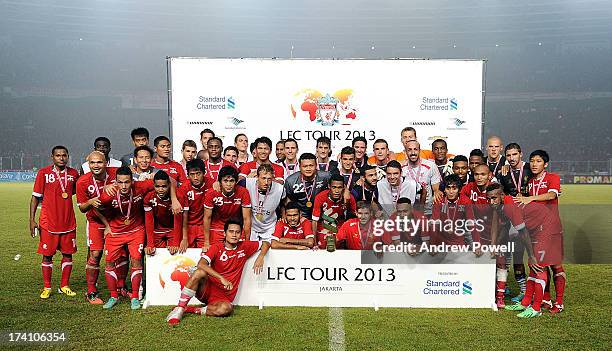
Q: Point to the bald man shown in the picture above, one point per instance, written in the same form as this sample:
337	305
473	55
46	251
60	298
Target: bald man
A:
424	172
495	159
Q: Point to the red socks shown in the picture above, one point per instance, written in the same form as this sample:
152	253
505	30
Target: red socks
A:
136	278
66	270
111	281
47	272
559	278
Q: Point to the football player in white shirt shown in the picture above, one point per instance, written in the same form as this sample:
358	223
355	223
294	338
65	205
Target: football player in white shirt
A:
423	172
266	196
103	145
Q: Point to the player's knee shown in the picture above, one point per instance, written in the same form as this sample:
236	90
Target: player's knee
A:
199	274
47	259
223	309
135	263
96	255
68	256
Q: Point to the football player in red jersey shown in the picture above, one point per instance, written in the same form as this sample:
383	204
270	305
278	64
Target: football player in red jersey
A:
461	168
357	233
89	187
231	202
230	154
215	161
189	151
162	227
162	160
293	232
537	226
330	210
545	187
217	277
263	148
453	207
125	226
55	185
192	194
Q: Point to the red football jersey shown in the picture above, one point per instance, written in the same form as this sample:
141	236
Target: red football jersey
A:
118	212
408	236
57	213
355	239
481	209
337	210
540	220
159	217
250	167
87	188
173	168
302	231
212	169
471	191
194	200
229	262
546	182
224	207
461	209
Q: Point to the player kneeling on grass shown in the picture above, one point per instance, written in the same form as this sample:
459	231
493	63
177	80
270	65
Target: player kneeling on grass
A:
217	276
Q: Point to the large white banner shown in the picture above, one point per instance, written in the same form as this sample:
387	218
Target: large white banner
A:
339	279
341	99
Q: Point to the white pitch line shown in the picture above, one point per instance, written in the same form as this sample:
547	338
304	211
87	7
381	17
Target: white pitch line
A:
336	329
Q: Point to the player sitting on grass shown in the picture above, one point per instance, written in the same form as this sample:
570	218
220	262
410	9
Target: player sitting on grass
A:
216	279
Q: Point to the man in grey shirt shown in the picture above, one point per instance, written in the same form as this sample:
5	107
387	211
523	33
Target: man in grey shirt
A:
303	186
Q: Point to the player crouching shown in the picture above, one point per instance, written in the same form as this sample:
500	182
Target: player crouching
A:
217	276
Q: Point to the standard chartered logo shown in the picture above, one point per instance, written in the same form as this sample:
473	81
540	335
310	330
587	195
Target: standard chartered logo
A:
467	288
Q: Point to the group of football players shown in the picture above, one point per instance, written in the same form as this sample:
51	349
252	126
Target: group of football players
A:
234	201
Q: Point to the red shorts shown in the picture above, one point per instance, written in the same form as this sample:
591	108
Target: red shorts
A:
163	239
195	236
50	243
548	250
216	235
211	293
95	236
114	245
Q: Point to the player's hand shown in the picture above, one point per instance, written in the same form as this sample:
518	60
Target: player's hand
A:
149	251
438	196
522	200
34	228
95	202
536	268
478	252
132	168
173	249
252	174
111	189
504	170
205	247
258	265
493	255
301	247
226	283
176	207
347	196
183	246
360	181
217	186
107	231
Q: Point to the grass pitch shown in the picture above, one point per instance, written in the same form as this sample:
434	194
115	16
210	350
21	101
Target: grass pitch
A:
585	325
